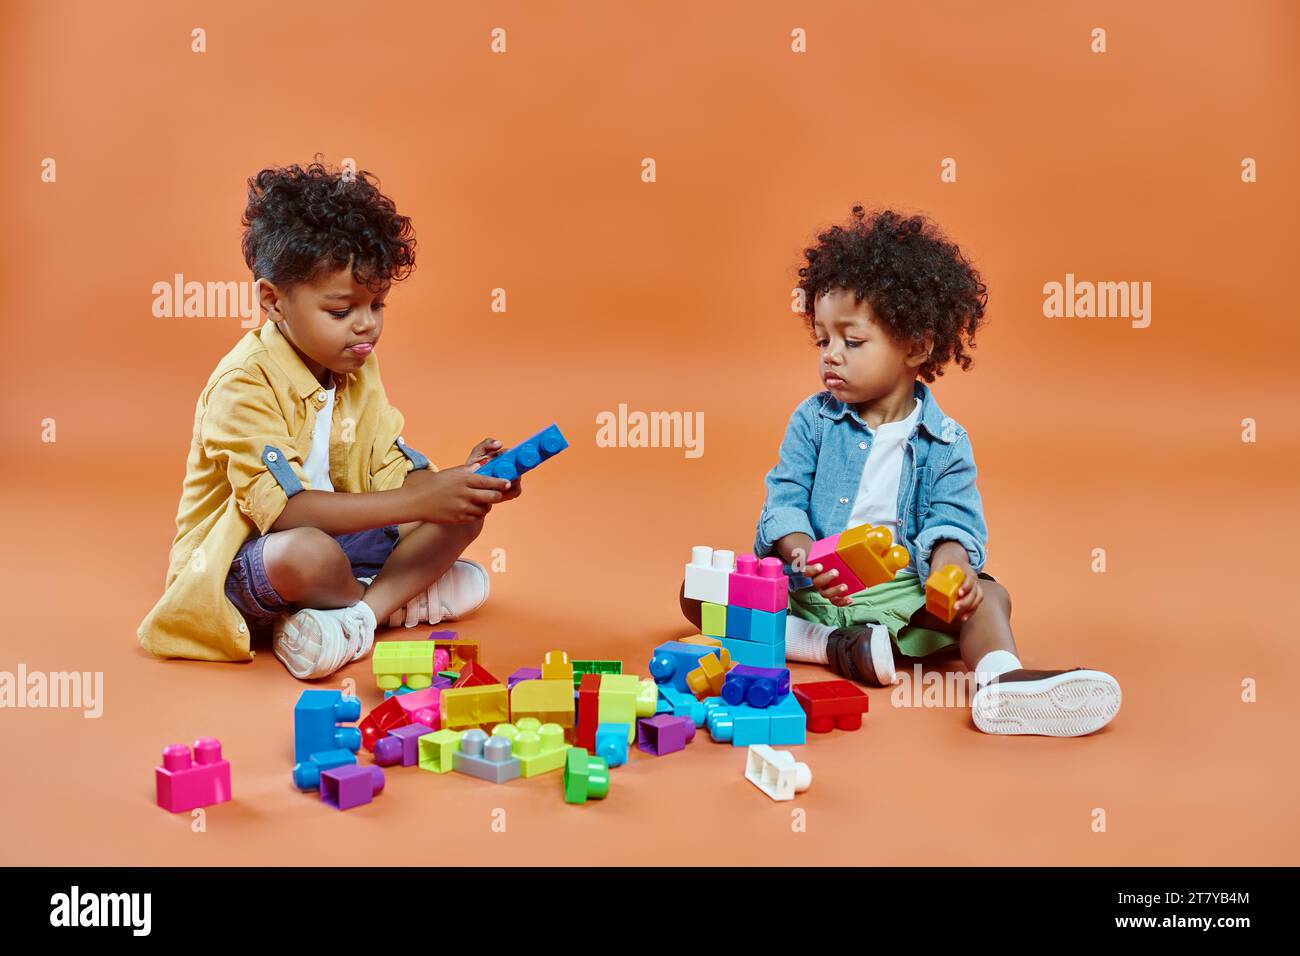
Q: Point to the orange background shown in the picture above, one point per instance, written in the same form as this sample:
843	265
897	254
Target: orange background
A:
523	171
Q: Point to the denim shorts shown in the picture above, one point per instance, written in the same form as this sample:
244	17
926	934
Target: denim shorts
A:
252	592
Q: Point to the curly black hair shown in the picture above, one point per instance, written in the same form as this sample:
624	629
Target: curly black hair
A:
915	280
301	223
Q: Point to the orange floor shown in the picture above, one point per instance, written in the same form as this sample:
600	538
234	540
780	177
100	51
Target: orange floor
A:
128	162
1187	773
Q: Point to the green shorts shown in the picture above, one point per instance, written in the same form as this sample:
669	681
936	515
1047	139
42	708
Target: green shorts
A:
892	604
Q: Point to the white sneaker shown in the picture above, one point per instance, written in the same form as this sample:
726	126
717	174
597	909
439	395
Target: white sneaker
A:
314	643
1067	703
462	590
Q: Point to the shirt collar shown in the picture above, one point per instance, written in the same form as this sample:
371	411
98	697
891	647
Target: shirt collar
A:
285	356
932	417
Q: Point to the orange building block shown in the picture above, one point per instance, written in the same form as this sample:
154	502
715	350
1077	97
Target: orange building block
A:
707	679
871	554
941	590
461	652
701	639
557	666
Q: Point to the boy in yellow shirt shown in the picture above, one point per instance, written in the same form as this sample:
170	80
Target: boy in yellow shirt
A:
304	515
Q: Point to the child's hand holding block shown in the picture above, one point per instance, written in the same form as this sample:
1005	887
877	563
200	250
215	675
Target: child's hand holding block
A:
941	591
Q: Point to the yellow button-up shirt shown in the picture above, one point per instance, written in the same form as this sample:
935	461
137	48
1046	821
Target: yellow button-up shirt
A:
252	433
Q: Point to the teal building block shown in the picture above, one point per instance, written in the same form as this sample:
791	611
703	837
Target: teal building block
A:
738	622
767	627
611	743
683	704
755	653
788	722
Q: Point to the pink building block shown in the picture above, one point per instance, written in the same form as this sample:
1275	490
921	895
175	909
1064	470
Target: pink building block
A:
759	585
823	553
422	707
189	779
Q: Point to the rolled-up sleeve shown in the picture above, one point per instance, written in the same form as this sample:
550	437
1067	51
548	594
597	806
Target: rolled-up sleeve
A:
389	464
240	419
789	483
956	511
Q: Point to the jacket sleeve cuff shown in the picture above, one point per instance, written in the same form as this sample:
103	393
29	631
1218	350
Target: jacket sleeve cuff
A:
775	524
932	535
264	501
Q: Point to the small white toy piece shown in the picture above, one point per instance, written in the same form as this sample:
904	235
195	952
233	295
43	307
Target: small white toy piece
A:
708	576
776	772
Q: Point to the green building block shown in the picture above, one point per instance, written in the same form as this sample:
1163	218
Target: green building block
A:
438	749
585	777
595	667
540	747
713	619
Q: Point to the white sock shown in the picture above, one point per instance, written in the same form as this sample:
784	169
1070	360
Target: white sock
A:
995	664
806	640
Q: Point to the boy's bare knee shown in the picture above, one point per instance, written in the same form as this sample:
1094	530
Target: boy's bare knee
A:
297	559
999	594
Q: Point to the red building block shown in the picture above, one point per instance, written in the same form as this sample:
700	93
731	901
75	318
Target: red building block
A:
475	674
831	704
387	716
189	779
588	711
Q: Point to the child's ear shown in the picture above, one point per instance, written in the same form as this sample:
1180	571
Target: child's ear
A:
921	350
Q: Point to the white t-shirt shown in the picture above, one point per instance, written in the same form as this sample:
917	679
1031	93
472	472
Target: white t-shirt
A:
317	464
877	501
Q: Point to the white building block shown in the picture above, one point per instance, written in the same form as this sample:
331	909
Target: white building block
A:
776	773
708	574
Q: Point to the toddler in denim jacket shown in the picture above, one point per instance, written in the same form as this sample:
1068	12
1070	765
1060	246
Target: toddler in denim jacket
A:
889	300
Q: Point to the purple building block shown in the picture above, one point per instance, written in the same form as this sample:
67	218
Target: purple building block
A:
757	686
409	736
524	673
661	734
350	786
187	780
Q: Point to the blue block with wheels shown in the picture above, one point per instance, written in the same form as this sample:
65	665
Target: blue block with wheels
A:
740	725
527	455
767	627
755	654
673	660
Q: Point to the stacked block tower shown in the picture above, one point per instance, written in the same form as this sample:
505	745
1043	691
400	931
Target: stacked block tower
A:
743	604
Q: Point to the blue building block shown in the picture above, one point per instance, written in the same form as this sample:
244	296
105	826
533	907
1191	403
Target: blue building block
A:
527	455
316	730
399	692
306	774
754	653
673	660
663	707
757	686
738	622
611	743
789	722
682	704
740	725
767	627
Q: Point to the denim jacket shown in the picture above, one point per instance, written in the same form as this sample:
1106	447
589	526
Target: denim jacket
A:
814	484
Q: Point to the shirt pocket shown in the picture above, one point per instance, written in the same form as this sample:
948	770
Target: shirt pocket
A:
924	488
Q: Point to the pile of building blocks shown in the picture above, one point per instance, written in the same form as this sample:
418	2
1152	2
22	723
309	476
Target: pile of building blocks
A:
743	603
832	704
515	462
864	556
189	779
776	772
319	742
941	591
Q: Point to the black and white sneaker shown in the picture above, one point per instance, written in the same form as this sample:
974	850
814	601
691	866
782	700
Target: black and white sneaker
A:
862	653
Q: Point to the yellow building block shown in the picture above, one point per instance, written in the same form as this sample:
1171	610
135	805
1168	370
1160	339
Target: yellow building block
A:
941	590
548	700
647	697
871	554
393	660
461	652
438	748
474	706
618	702
557	667
707	679
700	639
540	747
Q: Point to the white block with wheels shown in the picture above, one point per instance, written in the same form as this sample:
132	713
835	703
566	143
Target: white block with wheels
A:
709	573
776	772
